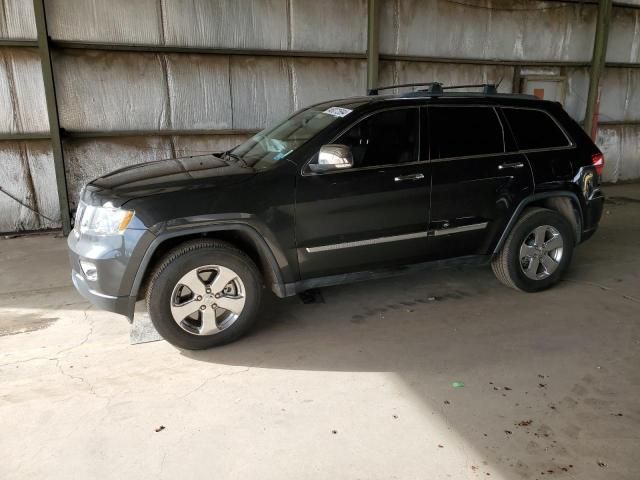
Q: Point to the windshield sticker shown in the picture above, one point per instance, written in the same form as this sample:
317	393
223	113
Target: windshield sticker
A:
338	111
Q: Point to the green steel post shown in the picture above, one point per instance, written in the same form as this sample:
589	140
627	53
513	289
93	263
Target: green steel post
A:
597	62
52	110
373	37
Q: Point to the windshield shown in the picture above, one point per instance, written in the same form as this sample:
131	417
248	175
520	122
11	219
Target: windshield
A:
275	143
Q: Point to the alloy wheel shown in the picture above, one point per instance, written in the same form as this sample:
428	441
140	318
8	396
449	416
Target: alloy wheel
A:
541	252
207	300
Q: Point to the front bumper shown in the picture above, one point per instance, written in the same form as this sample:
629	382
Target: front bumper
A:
121	305
117	260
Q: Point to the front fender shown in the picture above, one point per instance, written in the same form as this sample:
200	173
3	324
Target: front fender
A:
267	248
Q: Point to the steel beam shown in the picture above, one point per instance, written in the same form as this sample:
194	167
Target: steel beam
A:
483	61
16	137
5	42
628	4
619	123
509	63
121	47
72	44
597	64
152	133
373	43
52	111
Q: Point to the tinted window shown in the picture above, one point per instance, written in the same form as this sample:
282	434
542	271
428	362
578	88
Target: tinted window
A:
534	129
462	131
385	138
275	143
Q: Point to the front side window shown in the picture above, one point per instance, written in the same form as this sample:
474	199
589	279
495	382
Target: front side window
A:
386	138
274	144
534	129
464	131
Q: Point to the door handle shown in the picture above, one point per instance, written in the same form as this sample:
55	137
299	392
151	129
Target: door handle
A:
510	165
412	177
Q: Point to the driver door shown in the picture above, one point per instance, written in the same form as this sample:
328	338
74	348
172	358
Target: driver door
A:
374	214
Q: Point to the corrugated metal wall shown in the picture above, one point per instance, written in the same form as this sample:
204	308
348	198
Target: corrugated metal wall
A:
125	107
520	32
26	167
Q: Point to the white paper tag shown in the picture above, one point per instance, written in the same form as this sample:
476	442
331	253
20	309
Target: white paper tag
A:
338	111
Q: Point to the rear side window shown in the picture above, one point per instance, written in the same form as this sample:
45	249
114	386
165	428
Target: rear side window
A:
534	129
465	131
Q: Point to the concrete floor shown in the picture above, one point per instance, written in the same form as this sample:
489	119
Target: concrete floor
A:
357	387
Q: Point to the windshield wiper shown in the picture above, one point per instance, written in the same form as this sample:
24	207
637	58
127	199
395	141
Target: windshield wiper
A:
228	155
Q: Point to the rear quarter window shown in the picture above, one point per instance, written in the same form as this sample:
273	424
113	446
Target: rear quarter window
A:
535	129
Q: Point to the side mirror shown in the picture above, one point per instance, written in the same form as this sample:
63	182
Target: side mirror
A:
332	157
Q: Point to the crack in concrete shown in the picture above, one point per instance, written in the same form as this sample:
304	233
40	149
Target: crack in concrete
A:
207	380
604	288
56	356
82	379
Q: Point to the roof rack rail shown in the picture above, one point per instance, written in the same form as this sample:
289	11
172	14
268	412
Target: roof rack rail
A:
487	88
435	87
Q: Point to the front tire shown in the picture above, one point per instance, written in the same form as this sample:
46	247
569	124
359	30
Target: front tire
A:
204	293
537	251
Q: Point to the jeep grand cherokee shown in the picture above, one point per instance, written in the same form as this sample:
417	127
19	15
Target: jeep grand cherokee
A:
340	191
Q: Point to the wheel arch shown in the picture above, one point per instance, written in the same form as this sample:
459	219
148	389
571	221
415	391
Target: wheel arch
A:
565	203
241	236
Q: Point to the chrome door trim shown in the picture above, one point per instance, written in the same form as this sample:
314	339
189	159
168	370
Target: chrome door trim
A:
397	238
510	165
460	229
411	177
370	241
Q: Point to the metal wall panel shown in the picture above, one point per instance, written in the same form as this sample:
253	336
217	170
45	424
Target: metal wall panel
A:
393	73
577	91
621	147
23	107
620	95
624	36
227	23
27	173
188	145
87	159
315	80
111	21
116	91
504	29
261	91
249	24
199	92
111	90
17	21
329	25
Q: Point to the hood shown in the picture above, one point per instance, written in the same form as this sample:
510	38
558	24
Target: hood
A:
155	177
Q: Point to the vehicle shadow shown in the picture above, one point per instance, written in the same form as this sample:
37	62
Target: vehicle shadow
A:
527	361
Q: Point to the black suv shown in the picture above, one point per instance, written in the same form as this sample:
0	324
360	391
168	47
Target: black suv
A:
341	191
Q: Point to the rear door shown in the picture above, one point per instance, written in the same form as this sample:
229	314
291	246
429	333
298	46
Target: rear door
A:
374	214
476	183
550	151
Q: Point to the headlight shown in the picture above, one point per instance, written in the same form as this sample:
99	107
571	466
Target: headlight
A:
102	220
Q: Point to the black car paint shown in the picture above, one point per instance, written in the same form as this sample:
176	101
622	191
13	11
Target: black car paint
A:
286	209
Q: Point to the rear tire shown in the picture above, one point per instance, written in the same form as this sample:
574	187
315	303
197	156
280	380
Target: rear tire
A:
537	251
204	293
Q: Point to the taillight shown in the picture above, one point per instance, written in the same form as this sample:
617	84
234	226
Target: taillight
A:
598	161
